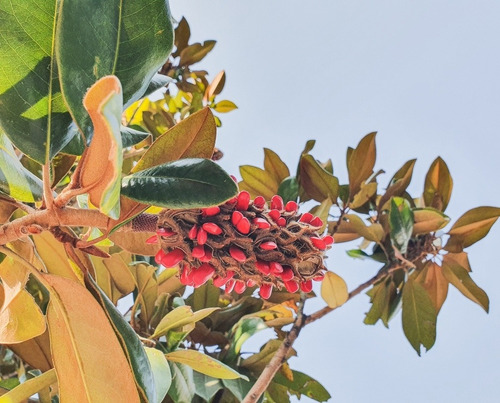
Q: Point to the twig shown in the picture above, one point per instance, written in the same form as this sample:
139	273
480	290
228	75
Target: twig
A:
279	357
48	197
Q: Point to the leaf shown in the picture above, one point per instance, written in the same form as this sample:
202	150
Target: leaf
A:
360	162
419	316
132	136
434	282
15	180
32	111
182	389
401	223
195	53
428	220
193	137
303	384
343	230
180	316
257	362
147	289
182	34
25	390
471	227
238	387
438	185
127	38
322	211
398	184
216	86
380	296
161	372
258	182
204	363
20	317
206	296
289	189
35	352
373	232
459	277
224	106
241	332
206	386
135	242
366	192
114	276
157	81
334	290
187	183
104	104
275	166
317	183
72	316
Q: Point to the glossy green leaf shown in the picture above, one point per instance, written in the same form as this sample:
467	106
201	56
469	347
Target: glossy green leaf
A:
25	390
241	332
158	81
461	280
179	317
238	387
360	162
32	111
438	185
471	227
401	223
303	384
317	183
187	183
15	180
206	386
183	388
419	316
161	373
131	136
289	189
127	38
357	254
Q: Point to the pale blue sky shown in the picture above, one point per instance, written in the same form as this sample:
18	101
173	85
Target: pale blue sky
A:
425	75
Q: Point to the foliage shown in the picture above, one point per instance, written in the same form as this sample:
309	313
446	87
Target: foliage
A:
86	150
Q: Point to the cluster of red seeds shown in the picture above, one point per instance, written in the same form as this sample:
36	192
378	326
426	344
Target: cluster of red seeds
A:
243	243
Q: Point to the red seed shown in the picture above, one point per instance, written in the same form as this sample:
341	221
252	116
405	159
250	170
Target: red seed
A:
328	240
265	290
276	268
251	283
291	206
165	232
268	245
232	201
306	286
229	286
212	228
208	255
172	258
152	239
186	277
319	277
318	243
243	200
159	256
193	232
201	237
239	287
306	217
221	281
202	274
236	217
277	203
259	202
198	251
237	254
234	178
211	211
291	286
274	214
261	223
316	222
243	226
281	222
263	267
287	274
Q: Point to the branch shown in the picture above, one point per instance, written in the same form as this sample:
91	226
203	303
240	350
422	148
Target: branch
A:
279	357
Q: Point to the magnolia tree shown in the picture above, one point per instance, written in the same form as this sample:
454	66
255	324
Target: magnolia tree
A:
106	194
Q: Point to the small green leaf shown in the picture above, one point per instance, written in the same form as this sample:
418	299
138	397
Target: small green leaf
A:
419	316
357	254
238	387
438	185
257	362
131	136
206	386
289	189
241	332
224	106
303	384
187	183
401	223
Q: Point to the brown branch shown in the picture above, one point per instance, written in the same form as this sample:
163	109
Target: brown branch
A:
279	357
48	197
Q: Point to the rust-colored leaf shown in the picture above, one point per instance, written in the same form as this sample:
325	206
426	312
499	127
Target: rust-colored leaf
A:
35	352
135	242
398	184
80	333
344	230
428	220
438	185
436	285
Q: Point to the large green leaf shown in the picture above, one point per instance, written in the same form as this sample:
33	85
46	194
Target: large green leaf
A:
401	223
161	373
128	38
183	388
186	183
15	180
419	316
32	111
303	384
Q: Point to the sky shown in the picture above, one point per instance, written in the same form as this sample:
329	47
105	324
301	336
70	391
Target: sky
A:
425	76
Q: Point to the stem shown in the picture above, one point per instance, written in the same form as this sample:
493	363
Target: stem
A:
48	197
279	357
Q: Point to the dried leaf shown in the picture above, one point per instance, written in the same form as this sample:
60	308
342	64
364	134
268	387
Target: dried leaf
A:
438	185
334	290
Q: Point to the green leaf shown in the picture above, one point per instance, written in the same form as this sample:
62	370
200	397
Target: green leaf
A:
206	386
357	254
23	391
128	38
224	106
289	189
275	166
316	182
206	296
179	317
241	332
187	183
419	316
238	387
257	362
360	162
471	227
131	136
401	223
15	180
183	388
258	182
161	372
460	278
438	185
303	384
204	363
32	111
158	81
